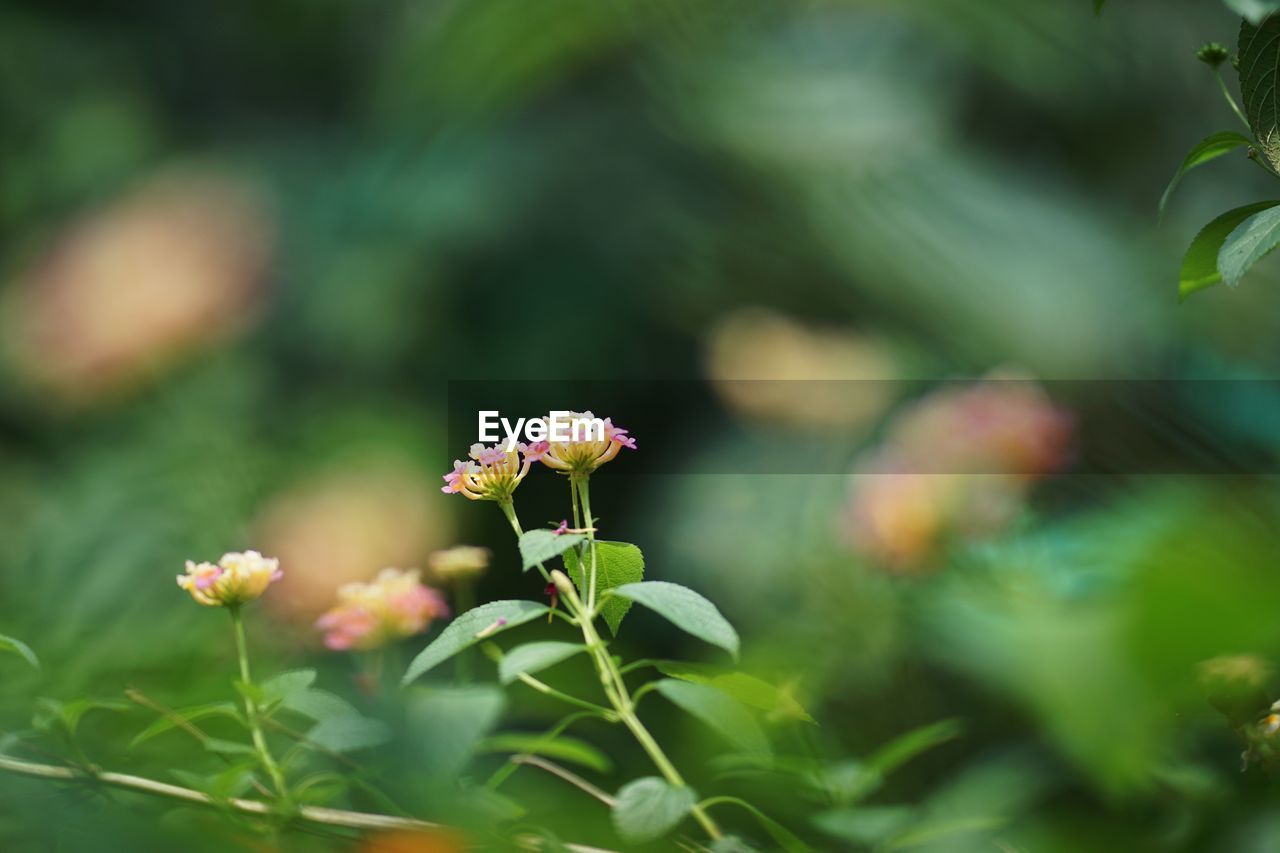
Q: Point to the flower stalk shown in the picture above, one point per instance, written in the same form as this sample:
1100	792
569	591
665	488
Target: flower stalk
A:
251	707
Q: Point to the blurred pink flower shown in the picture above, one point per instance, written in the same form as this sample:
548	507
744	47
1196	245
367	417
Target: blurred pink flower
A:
957	463
172	266
368	615
237	578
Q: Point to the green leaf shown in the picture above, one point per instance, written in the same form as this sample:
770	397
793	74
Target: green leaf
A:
617	563
561	748
285	684
747	689
1200	265
718	710
1250	242
344	734
1253	10
686	609
191	714
785	838
534	657
446	723
539	546
471	627
19	648
1208	149
1259	51
227	747
68	714
902	749
318	705
649	808
870	825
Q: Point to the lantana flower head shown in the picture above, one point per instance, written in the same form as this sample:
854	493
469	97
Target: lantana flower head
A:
589	452
235	579
490	474
460	562
368	615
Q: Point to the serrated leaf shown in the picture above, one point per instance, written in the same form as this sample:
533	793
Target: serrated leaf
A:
470	628
19	648
1200	264
1208	149
1259	51
718	710
534	657
539	546
685	609
191	714
286	683
318	704
747	689
562	748
1253	10
1250	242
617	563
344	734
649	808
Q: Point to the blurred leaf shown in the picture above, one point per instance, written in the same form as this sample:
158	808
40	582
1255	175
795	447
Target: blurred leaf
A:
561	748
785	838
931	831
318	704
345	734
285	684
1200	264
539	546
686	609
19	648
869	825
718	710
649	808
732	844
617	563
226	747
1250	242
747	689
191	714
470	628
447	723
68	714
1208	149
534	657
1259	50
906	747
1253	10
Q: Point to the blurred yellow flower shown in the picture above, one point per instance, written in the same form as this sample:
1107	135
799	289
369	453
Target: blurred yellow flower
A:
394	605
235	579
460	562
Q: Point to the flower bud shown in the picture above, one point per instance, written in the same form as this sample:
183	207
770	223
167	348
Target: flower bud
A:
1213	54
235	579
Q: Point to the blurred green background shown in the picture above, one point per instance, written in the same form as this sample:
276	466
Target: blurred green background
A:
244	248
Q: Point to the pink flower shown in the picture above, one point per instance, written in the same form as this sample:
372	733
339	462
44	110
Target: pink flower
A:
534	452
493	476
235	579
392	606
587	453
563	528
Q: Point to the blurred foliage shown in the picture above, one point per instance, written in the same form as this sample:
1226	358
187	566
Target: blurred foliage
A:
568	189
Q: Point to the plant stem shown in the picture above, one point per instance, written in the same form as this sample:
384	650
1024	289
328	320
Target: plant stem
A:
1226	93
509	510
584	490
616	689
251	707
315	814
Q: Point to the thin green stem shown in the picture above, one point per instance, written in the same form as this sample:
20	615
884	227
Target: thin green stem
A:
584	490
251	707
1226	93
543	687
509	510
504	772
